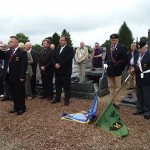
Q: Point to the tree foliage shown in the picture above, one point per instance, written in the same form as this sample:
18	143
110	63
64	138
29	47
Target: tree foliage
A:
37	48
65	33
144	39
55	39
125	35
22	38
106	43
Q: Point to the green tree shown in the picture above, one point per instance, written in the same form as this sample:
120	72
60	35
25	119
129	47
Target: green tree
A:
65	33
55	39
37	48
106	43
22	38
125	35
145	39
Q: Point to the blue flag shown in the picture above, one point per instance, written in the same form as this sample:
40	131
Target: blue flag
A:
83	116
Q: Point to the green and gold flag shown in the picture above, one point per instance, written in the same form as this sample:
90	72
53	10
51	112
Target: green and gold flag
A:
111	122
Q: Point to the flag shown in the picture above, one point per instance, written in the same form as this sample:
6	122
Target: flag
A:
111	122
83	116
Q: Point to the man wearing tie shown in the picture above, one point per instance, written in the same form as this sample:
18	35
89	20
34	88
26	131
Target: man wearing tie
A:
62	60
16	65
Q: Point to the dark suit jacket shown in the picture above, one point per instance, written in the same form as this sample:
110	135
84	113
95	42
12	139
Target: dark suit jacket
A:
145	66
64	59
119	55
45	59
129	55
35	57
17	64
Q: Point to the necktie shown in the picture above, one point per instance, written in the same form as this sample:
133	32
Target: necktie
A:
11	55
45	51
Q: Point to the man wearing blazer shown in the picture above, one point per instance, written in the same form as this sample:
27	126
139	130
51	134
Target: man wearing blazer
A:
35	57
47	70
131	61
142	71
115	62
62	60
16	65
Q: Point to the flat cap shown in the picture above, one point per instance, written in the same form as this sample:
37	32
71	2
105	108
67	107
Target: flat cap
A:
141	44
114	36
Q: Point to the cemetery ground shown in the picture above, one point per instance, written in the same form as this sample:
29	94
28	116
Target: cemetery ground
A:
41	128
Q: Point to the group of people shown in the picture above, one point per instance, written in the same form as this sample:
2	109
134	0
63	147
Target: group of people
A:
19	70
138	61
20	64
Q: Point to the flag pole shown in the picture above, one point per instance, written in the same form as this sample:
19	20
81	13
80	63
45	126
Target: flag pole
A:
117	93
121	86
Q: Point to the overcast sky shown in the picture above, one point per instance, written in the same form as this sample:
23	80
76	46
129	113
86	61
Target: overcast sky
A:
86	20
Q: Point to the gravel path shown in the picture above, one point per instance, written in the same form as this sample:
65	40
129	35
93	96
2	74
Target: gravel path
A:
41	128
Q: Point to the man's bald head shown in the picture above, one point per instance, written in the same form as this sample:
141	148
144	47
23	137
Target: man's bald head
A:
28	45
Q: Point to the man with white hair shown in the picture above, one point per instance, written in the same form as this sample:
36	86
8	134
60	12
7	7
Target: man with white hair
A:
131	56
35	56
142	70
81	57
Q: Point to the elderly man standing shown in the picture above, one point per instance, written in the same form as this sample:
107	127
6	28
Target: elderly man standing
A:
81	57
35	58
16	65
142	70
115	62
131	56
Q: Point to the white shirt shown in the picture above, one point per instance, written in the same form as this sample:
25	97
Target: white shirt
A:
61	49
132	59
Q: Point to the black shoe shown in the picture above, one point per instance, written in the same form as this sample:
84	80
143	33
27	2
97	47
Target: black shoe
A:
33	96
43	97
5	99
20	113
146	117
66	103
50	98
138	113
55	101
130	88
12	111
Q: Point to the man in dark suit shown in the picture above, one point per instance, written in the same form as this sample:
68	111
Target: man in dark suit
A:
35	57
131	61
115	62
47	70
142	70
16	65
62	60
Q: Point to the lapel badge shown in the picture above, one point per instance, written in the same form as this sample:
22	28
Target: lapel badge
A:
145	65
17	59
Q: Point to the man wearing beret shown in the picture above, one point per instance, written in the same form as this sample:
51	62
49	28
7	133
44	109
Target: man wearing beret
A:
115	62
142	71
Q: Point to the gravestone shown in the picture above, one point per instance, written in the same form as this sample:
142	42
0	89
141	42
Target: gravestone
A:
95	82
130	99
